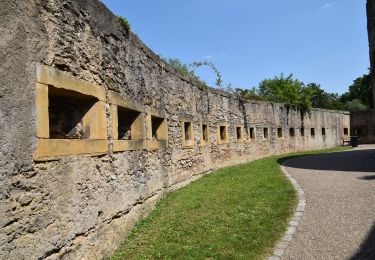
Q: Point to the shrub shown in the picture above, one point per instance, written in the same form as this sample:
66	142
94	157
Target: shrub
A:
355	105
125	23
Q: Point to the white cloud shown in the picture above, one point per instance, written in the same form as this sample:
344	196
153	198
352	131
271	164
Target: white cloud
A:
327	5
208	57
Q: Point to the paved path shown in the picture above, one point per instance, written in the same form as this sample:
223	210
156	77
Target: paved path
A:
339	219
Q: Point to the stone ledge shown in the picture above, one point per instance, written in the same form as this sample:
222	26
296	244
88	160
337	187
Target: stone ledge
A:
50	149
58	79
128	145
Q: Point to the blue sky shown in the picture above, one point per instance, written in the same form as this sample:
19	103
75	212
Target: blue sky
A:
318	41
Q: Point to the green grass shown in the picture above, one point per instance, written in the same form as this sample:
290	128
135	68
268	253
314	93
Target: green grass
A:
235	213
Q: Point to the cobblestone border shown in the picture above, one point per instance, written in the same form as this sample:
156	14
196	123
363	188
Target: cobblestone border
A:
283	244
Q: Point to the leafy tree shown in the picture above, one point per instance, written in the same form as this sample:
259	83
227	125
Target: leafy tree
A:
322	99
355	105
286	90
360	89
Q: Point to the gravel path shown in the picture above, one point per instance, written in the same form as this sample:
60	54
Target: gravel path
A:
339	219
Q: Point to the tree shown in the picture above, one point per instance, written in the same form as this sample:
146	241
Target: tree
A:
286	90
322	99
360	89
355	105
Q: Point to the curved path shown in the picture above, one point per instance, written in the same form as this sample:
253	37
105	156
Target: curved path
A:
339	219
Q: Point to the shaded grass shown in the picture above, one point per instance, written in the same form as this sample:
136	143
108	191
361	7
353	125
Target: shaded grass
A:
235	213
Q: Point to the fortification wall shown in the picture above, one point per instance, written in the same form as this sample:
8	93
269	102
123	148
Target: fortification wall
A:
95	128
363	125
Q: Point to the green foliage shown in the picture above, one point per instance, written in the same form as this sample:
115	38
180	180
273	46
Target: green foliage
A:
125	23
183	69
287	90
322	99
247	94
178	66
360	89
219	81
355	105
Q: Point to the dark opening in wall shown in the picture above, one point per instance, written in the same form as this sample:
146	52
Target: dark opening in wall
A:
346	131
204	132
157	125
312	132
360	131
302	131
223	133
323	131
291	132
126	123
252	133
68	111
265	133
239	133
279	132
187	131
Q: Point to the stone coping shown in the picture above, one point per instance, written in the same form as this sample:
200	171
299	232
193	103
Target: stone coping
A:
283	244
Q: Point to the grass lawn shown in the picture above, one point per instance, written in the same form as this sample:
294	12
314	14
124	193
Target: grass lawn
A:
235	213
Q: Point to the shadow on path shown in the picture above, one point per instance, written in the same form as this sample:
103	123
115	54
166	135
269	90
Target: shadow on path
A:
351	161
368	178
367	250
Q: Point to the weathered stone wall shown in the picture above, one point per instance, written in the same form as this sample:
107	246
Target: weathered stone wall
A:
81	206
363	126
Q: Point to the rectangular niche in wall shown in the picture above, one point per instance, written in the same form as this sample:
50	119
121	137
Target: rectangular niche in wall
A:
187	134
291	132
158	129
238	134
71	118
128	124
346	131
279	132
157	126
251	134
265	133
222	134
323	131
204	138
302	131
128	127
68	113
312	132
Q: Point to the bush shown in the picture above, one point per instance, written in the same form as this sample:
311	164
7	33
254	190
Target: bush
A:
125	23
355	105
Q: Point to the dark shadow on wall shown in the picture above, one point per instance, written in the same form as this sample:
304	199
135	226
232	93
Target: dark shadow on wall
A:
367	249
352	161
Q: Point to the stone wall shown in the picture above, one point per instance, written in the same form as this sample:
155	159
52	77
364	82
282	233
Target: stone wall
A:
363	126
76	195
